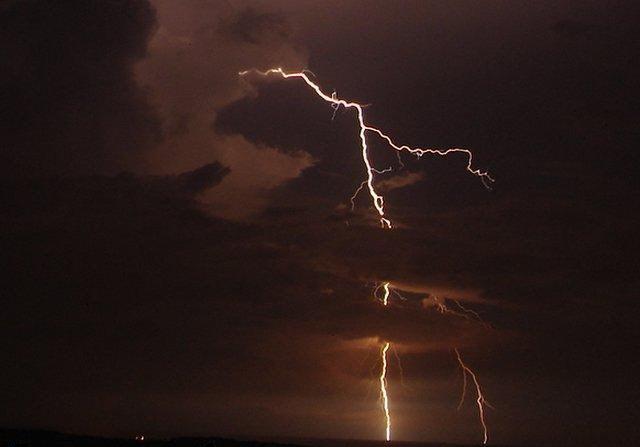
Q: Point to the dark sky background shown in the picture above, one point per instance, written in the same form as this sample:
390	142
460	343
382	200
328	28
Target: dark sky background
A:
178	254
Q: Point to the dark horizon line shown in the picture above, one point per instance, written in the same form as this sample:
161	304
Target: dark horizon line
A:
41	434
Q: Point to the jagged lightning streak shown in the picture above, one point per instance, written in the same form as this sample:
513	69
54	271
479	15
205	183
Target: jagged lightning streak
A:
467	314
378	203
385	286
480	401
385	298
377	199
384	395
472	312
383	389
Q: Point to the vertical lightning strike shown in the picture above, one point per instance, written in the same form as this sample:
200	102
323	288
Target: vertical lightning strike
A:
481	402
383	390
383	374
377	199
386	287
378	203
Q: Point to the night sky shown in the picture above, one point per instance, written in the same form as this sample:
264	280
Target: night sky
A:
178	252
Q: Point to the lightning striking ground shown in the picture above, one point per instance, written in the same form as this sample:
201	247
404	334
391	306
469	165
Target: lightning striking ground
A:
383	374
383	390
480	401
378	203
377	199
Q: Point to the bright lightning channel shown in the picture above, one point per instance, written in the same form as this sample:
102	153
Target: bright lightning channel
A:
383	389
377	199
383	374
385	298
378	202
385	286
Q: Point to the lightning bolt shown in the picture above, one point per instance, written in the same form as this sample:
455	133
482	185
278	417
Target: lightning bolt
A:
480	400
385	298
383	374
383	389
466	313
378	203
336	102
385	286
472	312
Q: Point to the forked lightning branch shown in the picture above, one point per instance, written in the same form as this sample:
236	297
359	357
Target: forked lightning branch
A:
377	201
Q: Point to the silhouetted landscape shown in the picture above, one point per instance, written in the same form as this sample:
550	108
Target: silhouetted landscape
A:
40	438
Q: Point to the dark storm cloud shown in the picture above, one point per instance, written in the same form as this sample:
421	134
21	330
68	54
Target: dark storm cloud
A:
332	143
252	26
130	291
192	71
547	102
200	179
570	28
70	100
130	302
73	196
